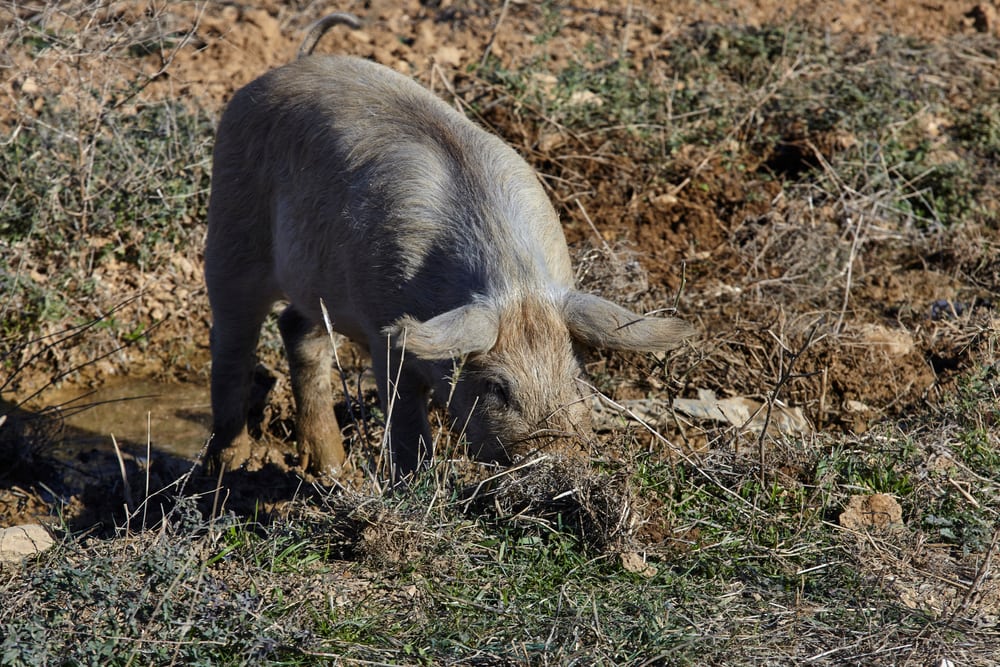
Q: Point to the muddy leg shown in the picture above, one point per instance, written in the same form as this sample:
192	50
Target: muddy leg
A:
233	342
310	352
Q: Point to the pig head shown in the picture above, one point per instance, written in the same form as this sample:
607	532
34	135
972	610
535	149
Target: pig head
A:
428	240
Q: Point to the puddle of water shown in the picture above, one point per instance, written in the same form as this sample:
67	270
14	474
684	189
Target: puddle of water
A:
176	418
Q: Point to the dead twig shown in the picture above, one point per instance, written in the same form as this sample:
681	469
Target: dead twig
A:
785	374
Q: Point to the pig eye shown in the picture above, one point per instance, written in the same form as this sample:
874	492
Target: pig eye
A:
499	391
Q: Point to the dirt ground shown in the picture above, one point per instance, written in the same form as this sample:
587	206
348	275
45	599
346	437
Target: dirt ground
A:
890	352
235	43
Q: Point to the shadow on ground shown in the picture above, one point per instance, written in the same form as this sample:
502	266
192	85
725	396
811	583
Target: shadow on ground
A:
51	472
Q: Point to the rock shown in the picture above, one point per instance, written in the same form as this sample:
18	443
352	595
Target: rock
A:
745	413
635	563
894	342
585	97
549	142
30	87
875	511
19	542
449	56
664	202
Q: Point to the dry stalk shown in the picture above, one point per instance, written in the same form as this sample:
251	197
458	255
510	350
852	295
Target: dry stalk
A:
72	335
785	374
493	35
593	228
340	368
849	270
129	505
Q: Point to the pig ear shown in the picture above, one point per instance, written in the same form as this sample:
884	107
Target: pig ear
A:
599	323
466	330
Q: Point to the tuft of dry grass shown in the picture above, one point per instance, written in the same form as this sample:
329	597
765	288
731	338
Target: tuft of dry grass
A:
559	493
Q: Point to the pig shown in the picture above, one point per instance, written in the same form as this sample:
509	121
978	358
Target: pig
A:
339	183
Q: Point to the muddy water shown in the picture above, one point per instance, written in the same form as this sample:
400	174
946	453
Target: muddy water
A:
173	418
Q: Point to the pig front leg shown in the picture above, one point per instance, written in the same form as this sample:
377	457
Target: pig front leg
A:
310	352
404	396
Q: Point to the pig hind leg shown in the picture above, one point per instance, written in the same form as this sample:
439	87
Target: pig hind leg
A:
310	352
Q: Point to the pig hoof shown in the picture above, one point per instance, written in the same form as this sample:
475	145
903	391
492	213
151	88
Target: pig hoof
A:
232	457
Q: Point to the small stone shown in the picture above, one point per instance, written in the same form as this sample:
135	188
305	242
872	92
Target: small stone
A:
663	202
19	542
635	563
585	98
30	87
873	511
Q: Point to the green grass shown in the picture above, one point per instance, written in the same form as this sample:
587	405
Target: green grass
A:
137	178
415	579
140	185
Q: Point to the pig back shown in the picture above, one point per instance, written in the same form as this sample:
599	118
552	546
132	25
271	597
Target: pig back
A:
379	198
